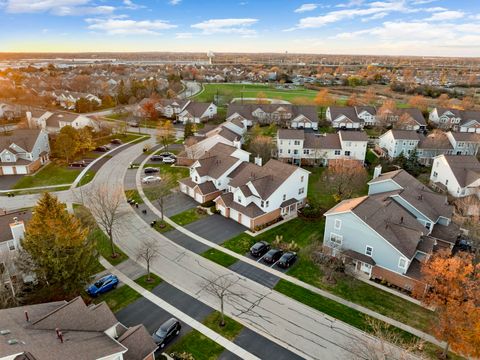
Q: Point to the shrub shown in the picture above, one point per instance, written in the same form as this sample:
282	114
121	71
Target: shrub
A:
208	204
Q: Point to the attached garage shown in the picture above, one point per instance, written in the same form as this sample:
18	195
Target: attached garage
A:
198	197
8	170
221	209
21	170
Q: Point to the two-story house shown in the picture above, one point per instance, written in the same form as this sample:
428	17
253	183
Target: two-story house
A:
434	144
308	148
387	234
258	195
23	151
464	143
283	115
171	107
351	117
197	112
395	142
457	120
209	174
54	121
458	175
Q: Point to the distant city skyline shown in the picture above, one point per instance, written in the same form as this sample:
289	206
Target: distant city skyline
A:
388	27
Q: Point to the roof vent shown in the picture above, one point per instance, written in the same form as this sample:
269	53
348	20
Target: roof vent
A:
4	332
12	341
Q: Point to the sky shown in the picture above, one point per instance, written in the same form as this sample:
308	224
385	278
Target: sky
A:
377	27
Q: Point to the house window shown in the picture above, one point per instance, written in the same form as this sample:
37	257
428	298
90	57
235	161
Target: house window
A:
239	199
296	142
336	239
262	204
347	153
11	245
281	151
284	197
196	178
337	152
267	203
428	225
446	182
301	191
435	174
338	224
289	151
402	263
368	250
295	152
301	179
306	151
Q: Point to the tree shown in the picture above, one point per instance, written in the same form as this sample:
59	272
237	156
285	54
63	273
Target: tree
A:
369	97
323	99
419	102
70	142
467	215
148	108
443	101
104	202
453	291
468	103
165	133
353	100
262	98
344	177
261	146
62	253
385	112
188	130
171	94
148	251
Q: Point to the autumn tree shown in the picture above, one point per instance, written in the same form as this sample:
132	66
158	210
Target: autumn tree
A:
71	142
165	133
262	98
419	102
344	177
468	103
353	100
261	146
443	101
385	112
453	291
369	97
148	251
188	130
323	99
62	253
148	108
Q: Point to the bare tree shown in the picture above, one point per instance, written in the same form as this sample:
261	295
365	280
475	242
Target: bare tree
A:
148	251
159	192
104	204
222	288
9	286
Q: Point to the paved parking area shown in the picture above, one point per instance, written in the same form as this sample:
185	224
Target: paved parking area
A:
259	260
255	274
216	228
178	202
8	181
186	241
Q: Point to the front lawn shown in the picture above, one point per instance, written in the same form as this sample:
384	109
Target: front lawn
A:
189	216
89	175
162	226
133	195
230	330
219	257
197	344
50	174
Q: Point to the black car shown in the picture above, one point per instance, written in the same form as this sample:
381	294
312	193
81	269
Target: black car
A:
287	259
78	164
167	154
116	141
151	170
166	332
272	256
259	249
156	158
103	148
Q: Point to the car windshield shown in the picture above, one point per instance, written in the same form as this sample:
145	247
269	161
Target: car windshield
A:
99	283
272	252
257	246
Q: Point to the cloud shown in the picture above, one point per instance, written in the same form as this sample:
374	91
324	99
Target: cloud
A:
227	26
305	8
351	3
446	15
422	2
174	2
129	4
57	7
185	35
128	27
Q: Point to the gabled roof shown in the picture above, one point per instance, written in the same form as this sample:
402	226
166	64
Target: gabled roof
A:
369	109
465	136
404	134
138	342
455	112
414	113
291	134
24	138
246	110
347	111
197	109
353	136
251	210
466	168
435	140
7	219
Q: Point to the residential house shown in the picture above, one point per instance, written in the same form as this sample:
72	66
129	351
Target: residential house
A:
9	112
434	144
68	99
197	112
457	120
308	148
54	121
259	195
283	115
395	142
209	174
23	151
387	234
351	117
71	330
464	143
404	119
459	175
171	107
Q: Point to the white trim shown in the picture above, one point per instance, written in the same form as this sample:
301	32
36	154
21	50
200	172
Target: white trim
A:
338	237
371	252
406	262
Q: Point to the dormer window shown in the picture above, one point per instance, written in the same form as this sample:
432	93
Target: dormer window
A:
284	197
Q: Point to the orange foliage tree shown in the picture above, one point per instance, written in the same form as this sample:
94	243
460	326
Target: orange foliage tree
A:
353	100
344	177
454	290
323	99
419	102
443	101
369	97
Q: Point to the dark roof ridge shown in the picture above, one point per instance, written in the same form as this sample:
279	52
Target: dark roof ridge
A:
58	309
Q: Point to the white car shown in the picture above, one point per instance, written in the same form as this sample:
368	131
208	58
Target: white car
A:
169	160
150	179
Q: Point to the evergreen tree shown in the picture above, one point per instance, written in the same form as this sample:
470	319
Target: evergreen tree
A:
63	255
412	165
188	130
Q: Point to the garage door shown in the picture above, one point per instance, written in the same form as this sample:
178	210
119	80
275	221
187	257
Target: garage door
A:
21	169
221	209
198	198
245	221
8	170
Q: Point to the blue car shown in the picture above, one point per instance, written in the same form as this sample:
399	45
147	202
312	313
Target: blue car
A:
102	285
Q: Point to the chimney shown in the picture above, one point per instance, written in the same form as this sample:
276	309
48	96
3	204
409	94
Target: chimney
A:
26	316
237	144
29	120
377	171
258	160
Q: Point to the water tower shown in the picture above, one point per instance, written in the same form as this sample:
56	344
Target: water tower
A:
210	57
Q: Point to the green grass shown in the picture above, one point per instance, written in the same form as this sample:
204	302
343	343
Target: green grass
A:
27	192
121	297
219	257
230	330
105	249
51	174
89	175
187	217
197	344
163	227
133	195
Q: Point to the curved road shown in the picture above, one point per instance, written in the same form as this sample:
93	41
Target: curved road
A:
295	326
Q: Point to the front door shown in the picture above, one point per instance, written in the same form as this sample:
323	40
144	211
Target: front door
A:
366	268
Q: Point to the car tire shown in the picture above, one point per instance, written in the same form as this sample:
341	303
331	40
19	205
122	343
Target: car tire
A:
115	286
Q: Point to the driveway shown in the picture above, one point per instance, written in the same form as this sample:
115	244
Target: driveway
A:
8	181
176	203
253	273
186	242
216	228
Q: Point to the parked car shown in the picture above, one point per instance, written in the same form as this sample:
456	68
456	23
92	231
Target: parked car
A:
464	245
166	332
78	164
133	124
151	170
272	256
103	148
259	248
156	158
102	285
150	179
167	154
287	259
169	160
116	141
